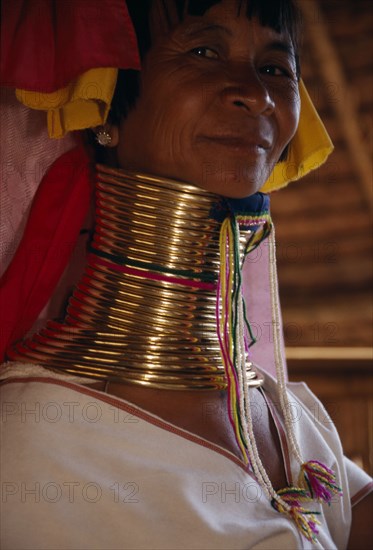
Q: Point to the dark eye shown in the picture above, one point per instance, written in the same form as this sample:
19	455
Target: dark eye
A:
204	51
275	70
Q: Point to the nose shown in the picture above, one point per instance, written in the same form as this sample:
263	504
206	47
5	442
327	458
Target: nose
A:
248	92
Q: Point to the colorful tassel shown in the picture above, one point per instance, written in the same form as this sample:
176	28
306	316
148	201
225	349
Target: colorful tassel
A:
306	525
320	480
289	503
228	294
316	481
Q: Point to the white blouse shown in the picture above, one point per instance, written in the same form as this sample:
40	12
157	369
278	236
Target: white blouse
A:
82	469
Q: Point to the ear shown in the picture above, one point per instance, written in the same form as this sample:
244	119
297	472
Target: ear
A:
107	135
114	132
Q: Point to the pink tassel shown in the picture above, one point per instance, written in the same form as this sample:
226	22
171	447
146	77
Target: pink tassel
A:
320	480
306	525
304	519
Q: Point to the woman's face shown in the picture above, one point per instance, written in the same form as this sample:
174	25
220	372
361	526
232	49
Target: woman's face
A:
219	103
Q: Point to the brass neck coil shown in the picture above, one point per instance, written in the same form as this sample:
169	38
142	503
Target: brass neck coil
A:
144	311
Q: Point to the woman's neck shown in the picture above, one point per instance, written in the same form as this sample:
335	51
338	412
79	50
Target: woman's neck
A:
145	309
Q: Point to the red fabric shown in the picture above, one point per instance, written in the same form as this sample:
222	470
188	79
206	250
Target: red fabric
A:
57	214
47	43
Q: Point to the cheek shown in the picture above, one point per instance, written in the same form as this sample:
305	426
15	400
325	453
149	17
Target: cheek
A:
287	123
291	115
174	123
157	134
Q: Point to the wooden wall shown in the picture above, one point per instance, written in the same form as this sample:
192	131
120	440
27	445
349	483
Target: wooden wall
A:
323	225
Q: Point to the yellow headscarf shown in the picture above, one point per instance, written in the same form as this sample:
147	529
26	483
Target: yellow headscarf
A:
83	103
309	148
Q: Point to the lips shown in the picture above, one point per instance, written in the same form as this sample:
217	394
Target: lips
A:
238	142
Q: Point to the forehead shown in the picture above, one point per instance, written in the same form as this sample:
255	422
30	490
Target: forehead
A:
228	17
279	15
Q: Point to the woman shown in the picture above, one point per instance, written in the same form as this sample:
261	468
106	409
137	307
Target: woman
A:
183	441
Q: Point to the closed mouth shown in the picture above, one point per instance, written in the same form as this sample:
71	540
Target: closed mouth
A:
238	142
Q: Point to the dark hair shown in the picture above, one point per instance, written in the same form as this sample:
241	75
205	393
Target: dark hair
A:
280	15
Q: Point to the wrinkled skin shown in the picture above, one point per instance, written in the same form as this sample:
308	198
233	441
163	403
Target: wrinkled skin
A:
218	104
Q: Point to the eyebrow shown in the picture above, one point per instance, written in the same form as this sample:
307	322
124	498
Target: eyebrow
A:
200	27
281	46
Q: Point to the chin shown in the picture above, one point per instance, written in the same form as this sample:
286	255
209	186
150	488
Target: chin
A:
231	189
236	182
